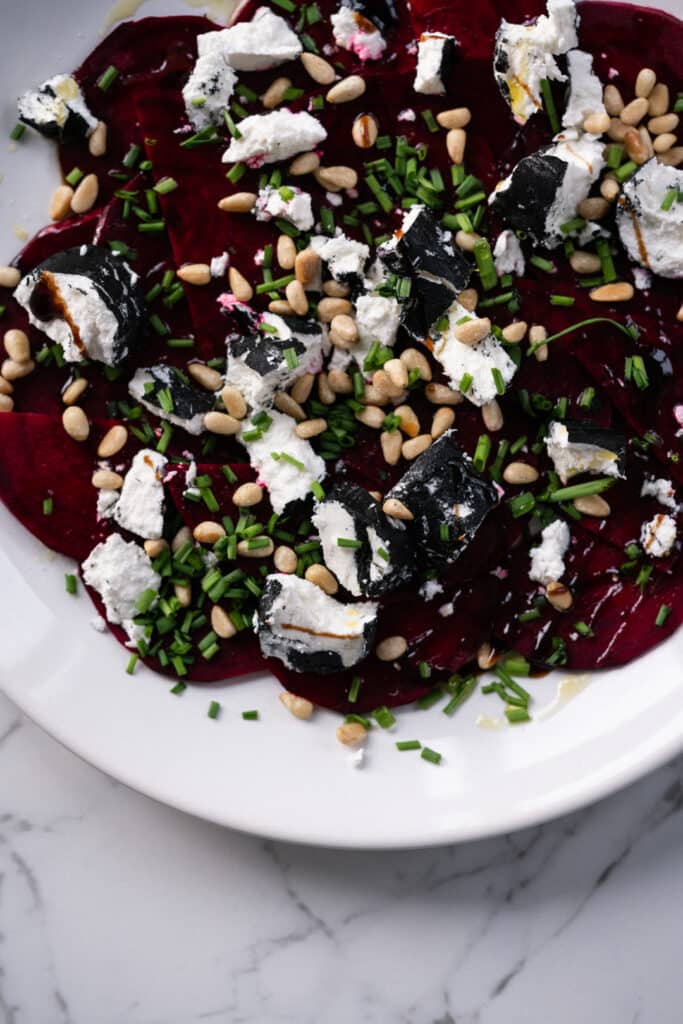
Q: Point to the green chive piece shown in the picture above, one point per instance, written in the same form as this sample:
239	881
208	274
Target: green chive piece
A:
662	614
583	628
575	327
179	666
463	689
74	176
546	265
165	186
349	542
517	715
582	490
384	717
250	716
522	504
498	380
318	490
17	132
614	154
562	300
625	171
70	583
549	106
609	272
146	600
152	227
485	265
48	506
481	453
408	745
575	224
354	689
132	662
107	78
433	756
214	708
430	121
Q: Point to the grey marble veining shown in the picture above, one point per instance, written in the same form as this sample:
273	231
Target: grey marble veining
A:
116	910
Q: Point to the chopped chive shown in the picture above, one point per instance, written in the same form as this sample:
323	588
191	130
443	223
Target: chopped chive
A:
662	614
124	250
250	716
515	715
132	662
582	490
354	689
214	708
158	325
575	224
318	490
481	453
146	600
107	78
291	358
269	286
152	227
165	186
549	106
484	260
625	171
48	506
576	327
179	666
643	576
70	583
433	756
521	504
349	542
286	5
562	300
384	717
498	380
583	628
546	265
74	176
132	156
529	616
17	132
614	154
430	121
669	199
408	745
231	126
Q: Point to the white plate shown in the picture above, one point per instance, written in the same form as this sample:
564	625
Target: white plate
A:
280	777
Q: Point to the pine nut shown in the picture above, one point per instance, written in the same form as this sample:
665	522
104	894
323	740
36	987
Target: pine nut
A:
658	100
672	157
280	307
208	532
107	480
614	104
364	131
113	441
635	149
457	117
620	291
559	596
466	240
336	289
440	394
325	392
396	509
443	420
468	298
239	286
486	657
307	268
415	360
206	376
85	196
183	593
374	396
541	354
663	124
60	203
679	314
5	387
286	252
322	578
73	391
75	423
319	69
455	144
221	623
584	263
592	505
297	706
344	326
311	428
391	648
409	425
296	297
645	82
596	124
302	387
285	403
336	179
663	142
247	495
537	332
492	415
17	345
306	163
617	129
351	734
234	402
284	559
520	473
513	333
398	373
275	93
221	423
329	308
9	277
339	342
181	538
371	416
634	111
375	495
346	90
97	143
473	331
609	189
6	403
391	442
11	370
195	273
593	208
340	382
238	202
153	548
416	446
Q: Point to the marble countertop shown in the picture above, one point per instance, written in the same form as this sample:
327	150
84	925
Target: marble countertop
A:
116	910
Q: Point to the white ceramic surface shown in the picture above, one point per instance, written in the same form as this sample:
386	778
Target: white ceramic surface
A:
279	777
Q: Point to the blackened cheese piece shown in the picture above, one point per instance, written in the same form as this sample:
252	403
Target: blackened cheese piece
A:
447	498
169	395
385	558
57	110
382	13
580	447
87	300
436	54
308	631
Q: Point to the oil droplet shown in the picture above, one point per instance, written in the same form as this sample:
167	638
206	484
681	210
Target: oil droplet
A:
567	688
490	723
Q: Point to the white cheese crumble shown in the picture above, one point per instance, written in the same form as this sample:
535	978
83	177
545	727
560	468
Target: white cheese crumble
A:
446	609
430	589
288	202
430	49
106	500
333	521
53	102
267	138
142	378
344	256
584	159
219	264
377	318
570	459
259	388
652	236
478	361
585	90
662	490
285	481
264	42
547	560
507	254
140	507
120	571
208	90
658	535
353	32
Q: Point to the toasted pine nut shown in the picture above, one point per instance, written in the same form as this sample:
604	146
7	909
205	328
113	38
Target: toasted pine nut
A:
329	308
181	538
284	559
9	277
319	69
107	480
375	495
440	394
17	345
473	331
596	124
336	289
609	189
617	129
221	623
238	202
11	370
443	420
305	163
346	90
374	396
113	441
195	273
584	262
486	657
73	391
593	208
153	548
234	402
286	252
592	505
514	332
239	285
60	203
492	415
391	648
6	403
85	196
325	392
208	532
620	291
645	82
75	423
469	299
206	376
455	144
275	93
396	509
336	179
416	446
5	387
344	326
297	706
97	142
679	314
296	297
351	734
391	442
307	268
457	117
311	428
663	142
635	111
221	423
634	146
398	372
371	416
340	382
183	593
364	131
466	240
520	473
341	341
663	124
559	596
248	495
672	158
302	387
614	104
658	100
265	551
280	307
286	404
322	577
415	360
409	425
